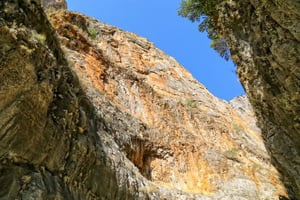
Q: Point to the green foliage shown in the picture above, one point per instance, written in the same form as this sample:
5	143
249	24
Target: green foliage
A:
191	103
92	33
220	46
205	12
195	9
38	36
231	154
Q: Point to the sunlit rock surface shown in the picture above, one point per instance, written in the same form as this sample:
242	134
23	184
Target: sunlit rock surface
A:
52	5
100	113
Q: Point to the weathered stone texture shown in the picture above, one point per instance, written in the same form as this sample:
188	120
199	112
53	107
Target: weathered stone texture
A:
264	39
109	116
191	142
54	4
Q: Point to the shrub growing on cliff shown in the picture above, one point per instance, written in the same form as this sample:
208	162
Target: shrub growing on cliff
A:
191	103
92	33
205	12
39	37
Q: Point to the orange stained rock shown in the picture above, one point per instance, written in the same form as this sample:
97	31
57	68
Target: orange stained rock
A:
196	142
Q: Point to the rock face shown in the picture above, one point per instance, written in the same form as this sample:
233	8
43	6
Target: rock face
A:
54	4
100	113
264	39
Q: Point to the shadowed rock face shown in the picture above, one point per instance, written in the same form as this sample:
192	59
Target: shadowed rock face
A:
50	136
264	39
100	113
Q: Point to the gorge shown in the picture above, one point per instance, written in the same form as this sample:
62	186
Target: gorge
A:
89	111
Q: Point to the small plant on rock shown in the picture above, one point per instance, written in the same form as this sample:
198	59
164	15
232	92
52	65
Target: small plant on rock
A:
232	154
39	36
191	103
92	33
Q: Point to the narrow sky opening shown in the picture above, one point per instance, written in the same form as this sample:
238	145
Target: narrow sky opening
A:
158	21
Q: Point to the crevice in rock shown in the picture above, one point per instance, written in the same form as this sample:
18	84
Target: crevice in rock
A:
142	153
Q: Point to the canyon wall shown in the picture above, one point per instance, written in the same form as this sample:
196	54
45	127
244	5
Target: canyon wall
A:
264	40
90	111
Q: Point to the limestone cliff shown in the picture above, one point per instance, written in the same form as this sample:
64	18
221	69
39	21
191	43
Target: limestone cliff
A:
94	112
52	5
264	40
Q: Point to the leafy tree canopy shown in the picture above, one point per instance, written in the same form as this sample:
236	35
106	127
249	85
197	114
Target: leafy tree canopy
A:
205	12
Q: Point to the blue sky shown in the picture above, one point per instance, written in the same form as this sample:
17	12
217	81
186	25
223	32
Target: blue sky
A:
157	20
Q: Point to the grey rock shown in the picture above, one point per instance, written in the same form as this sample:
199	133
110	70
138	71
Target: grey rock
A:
264	40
